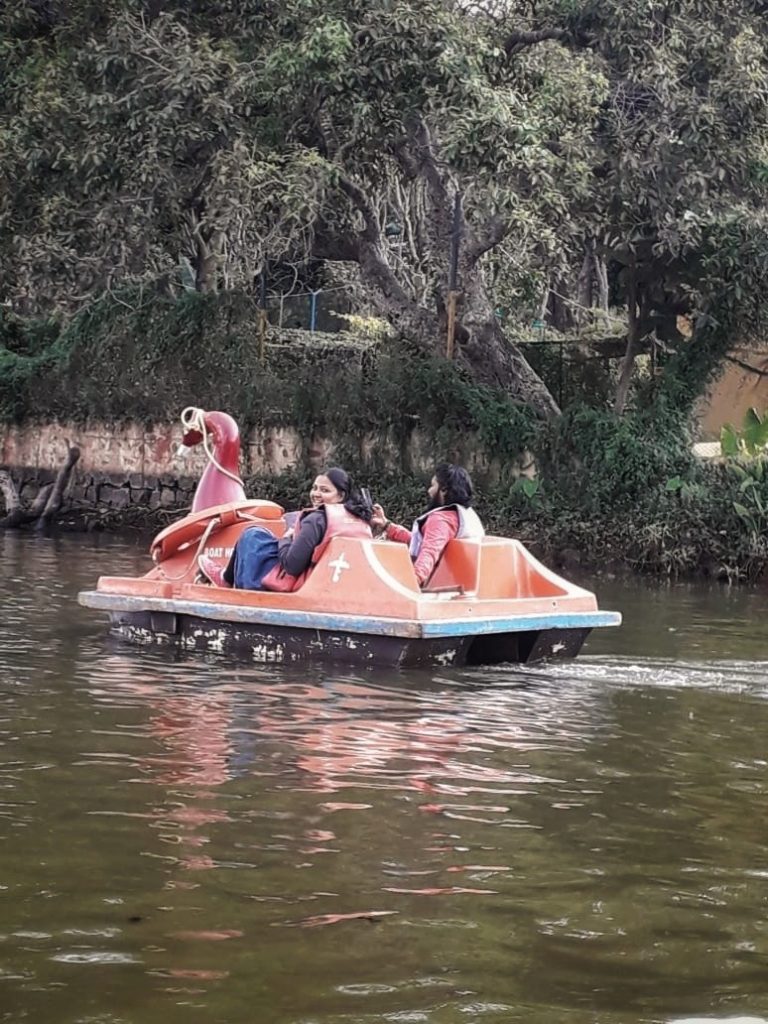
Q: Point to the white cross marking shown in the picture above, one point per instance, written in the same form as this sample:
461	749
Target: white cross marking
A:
338	565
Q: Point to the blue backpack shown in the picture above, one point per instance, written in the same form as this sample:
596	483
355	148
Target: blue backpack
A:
255	555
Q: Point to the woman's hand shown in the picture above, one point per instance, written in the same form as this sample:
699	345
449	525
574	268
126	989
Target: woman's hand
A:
379	519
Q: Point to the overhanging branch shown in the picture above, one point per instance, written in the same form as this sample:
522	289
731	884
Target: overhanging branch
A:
747	366
515	42
494	232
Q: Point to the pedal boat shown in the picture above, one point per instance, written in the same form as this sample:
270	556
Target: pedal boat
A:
489	601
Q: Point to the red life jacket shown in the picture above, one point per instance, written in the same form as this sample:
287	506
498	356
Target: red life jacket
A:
338	523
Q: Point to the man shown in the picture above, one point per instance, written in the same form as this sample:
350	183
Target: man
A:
449	515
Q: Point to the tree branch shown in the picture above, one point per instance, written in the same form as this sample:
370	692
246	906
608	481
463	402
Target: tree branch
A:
746	366
406	159
494	232
428	166
518	41
371	232
370	250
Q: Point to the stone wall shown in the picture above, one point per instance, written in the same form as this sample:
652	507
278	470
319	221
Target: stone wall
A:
130	464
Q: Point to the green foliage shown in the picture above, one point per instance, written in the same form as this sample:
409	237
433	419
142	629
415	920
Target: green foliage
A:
188	142
603	462
138	356
750	441
746	463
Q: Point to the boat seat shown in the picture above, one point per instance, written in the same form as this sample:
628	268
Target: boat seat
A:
458	569
492	568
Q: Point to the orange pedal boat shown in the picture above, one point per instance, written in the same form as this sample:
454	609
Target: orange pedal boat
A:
488	601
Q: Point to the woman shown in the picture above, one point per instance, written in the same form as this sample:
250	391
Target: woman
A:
260	562
448	516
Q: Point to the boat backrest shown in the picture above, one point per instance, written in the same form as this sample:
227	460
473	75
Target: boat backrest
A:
359	577
459	567
493	567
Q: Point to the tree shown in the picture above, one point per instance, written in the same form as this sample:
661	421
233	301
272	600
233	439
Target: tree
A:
679	203
560	143
223	138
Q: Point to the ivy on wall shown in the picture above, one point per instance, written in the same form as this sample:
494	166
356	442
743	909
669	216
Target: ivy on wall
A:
146	360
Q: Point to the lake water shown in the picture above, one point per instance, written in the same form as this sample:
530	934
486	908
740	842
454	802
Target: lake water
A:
188	839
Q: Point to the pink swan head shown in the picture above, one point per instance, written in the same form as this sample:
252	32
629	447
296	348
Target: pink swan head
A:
220	483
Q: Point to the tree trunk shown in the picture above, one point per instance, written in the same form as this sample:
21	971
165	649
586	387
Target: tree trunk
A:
482	347
47	503
601	272
53	504
491	357
634	335
584	284
17	514
559	309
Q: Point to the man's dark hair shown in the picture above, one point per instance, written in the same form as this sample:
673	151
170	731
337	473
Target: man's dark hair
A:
455	483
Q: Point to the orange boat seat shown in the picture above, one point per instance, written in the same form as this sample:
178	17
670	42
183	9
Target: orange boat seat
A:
493	568
458	569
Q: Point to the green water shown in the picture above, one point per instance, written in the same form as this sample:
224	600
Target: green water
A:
186	839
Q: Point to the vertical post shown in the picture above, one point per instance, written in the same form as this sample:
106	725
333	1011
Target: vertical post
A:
262	322
453	270
313	311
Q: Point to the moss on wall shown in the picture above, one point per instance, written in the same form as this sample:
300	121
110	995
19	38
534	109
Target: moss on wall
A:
147	360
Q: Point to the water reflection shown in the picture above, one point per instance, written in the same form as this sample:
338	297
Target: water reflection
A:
182	834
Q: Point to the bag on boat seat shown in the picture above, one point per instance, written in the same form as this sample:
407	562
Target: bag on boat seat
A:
255	555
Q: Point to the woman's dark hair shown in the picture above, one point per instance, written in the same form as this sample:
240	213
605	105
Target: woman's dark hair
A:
353	500
340	480
455	483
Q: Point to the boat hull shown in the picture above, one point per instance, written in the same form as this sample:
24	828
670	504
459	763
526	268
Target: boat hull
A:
280	637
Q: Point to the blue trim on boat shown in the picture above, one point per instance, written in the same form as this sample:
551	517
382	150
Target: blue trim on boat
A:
336	623
519	623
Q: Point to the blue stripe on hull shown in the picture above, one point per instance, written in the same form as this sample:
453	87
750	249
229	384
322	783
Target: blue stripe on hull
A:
520	623
465	626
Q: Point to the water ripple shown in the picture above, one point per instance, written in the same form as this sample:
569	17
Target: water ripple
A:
578	842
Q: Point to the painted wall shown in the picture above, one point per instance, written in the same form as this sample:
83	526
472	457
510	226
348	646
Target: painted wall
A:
135	449
735	391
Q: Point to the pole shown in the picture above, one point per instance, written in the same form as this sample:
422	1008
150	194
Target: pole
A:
313	311
262	321
451	326
453	272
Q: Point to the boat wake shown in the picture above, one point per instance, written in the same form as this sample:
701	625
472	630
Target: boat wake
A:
728	675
